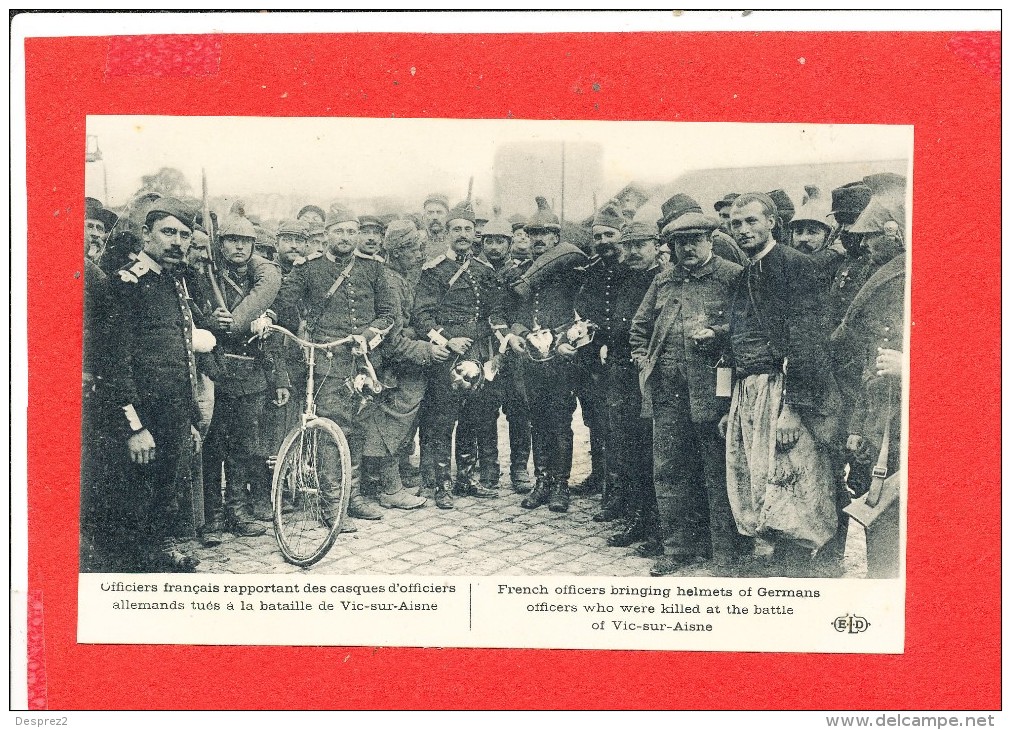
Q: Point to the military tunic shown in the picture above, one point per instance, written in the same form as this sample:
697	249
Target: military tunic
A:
151	345
240	394
610	297
361	304
457	296
544	296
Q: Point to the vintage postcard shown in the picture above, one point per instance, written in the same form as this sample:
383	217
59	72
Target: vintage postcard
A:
423	344
576	495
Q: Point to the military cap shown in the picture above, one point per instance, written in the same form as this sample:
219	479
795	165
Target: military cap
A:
498	227
639	231
175	208
676	206
371	220
725	201
849	201
339	214
462	211
95	211
690	222
292	228
312	209
881	182
316	230
400	233
437	198
610	217
237	226
783	204
517	221
544	218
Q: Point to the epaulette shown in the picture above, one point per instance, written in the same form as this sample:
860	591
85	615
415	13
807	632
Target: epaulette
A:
310	257
434	262
131	274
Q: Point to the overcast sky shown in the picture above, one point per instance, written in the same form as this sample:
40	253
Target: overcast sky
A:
328	158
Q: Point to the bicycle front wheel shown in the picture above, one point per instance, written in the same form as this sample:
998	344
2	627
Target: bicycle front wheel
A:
311	489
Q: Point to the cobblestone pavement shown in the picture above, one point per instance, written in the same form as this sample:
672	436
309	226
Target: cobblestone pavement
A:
478	537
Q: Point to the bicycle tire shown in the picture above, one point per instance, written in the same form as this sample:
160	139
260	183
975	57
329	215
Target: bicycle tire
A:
304	524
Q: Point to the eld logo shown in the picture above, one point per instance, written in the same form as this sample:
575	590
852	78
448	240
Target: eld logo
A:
850	624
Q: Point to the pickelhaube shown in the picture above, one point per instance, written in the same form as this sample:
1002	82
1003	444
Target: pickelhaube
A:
544	217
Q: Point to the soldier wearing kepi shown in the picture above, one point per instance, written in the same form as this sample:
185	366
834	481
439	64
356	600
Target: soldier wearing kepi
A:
249	284
610	297
342	293
391	424
677	338
542	298
154	386
590	384
506	390
459	305
370	237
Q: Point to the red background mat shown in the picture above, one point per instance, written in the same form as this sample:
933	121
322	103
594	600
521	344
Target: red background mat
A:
946	85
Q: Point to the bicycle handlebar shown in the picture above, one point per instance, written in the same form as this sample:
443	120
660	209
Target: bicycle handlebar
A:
358	340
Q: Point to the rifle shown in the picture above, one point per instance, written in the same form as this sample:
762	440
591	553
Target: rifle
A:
208	265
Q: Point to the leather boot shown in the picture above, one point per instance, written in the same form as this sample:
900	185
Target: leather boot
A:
466	473
241	524
443	486
541	493
393	494
409	473
653	546
559	501
612	504
635	531
359	507
210	533
520	479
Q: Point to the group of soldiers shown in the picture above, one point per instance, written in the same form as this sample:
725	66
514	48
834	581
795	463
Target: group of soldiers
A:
740	371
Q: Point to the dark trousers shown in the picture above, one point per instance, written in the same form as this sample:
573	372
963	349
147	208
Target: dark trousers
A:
690	476
551	403
507	392
629	440
589	379
477	432
233	441
143	503
514	405
335	401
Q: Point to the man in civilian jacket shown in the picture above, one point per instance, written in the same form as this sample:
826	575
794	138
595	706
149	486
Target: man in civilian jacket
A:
783	413
677	337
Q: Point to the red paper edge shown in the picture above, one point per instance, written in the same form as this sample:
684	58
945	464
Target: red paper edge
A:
946	85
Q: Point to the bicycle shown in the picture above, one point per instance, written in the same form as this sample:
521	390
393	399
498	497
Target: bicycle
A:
306	521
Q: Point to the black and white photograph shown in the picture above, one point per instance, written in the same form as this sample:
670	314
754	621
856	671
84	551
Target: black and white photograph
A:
406	347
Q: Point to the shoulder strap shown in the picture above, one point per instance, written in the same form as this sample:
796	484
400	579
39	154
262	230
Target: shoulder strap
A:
341	278
880	470
459	272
